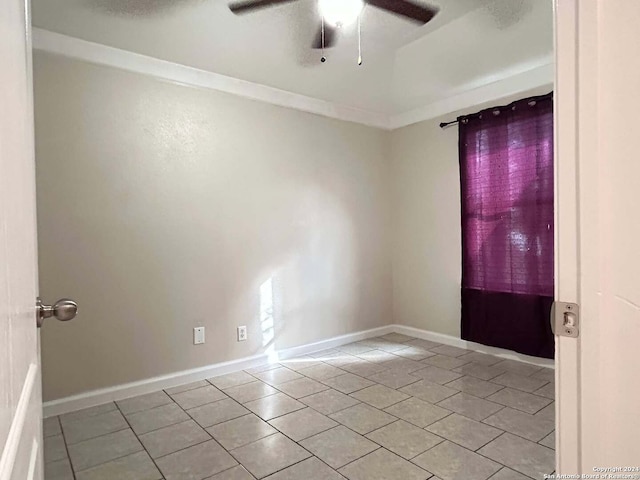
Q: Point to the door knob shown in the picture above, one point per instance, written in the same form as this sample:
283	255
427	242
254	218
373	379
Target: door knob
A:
64	310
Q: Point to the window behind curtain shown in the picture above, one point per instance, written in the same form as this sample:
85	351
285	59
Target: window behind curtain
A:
506	166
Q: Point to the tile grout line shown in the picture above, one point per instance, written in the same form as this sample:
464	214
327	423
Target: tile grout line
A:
489	425
184	448
281	469
201	427
330	387
231	419
115	458
190	419
465	448
230	452
111	460
410	396
515	434
97	436
66	448
318	433
481	421
150	409
367	438
387	450
495	461
138	438
498	403
357	433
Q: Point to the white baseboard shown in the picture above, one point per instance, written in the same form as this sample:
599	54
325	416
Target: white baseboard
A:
477	347
120	392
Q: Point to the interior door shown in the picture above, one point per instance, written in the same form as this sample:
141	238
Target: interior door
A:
598	190
20	386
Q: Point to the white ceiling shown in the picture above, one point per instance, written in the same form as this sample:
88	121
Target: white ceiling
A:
469	44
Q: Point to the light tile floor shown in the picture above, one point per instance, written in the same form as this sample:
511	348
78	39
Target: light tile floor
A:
387	408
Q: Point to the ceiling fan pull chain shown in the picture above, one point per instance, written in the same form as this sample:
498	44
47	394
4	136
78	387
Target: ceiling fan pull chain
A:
323	58
359	42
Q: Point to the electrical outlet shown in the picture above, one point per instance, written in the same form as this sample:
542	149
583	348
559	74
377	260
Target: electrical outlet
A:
242	333
198	335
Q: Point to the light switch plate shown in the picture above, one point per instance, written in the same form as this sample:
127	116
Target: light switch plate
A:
198	335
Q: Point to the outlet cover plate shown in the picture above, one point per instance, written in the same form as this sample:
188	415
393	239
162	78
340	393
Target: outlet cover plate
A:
198	335
242	333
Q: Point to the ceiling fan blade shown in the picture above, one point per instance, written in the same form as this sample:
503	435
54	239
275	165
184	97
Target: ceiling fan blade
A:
249	6
417	13
330	37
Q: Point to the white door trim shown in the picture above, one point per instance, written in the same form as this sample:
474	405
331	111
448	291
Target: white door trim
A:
566	225
33	460
577	247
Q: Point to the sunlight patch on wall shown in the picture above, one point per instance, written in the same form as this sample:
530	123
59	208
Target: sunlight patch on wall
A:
267	323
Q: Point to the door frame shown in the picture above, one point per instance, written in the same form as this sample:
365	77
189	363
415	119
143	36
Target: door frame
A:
576	120
576	173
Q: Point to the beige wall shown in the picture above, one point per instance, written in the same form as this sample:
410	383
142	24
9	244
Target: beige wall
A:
426	226
163	207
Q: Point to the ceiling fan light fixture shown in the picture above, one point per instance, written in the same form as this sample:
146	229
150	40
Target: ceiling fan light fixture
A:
340	12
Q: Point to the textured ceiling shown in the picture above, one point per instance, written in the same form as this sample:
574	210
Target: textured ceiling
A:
470	43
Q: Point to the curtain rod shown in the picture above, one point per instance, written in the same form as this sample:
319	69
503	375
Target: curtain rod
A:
503	107
446	124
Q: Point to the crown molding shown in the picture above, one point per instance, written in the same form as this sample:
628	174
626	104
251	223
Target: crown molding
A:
72	47
497	89
539	76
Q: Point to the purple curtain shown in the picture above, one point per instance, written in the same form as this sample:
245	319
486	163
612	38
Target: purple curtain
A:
506	170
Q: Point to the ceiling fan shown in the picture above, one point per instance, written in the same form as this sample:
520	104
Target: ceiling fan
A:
338	13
